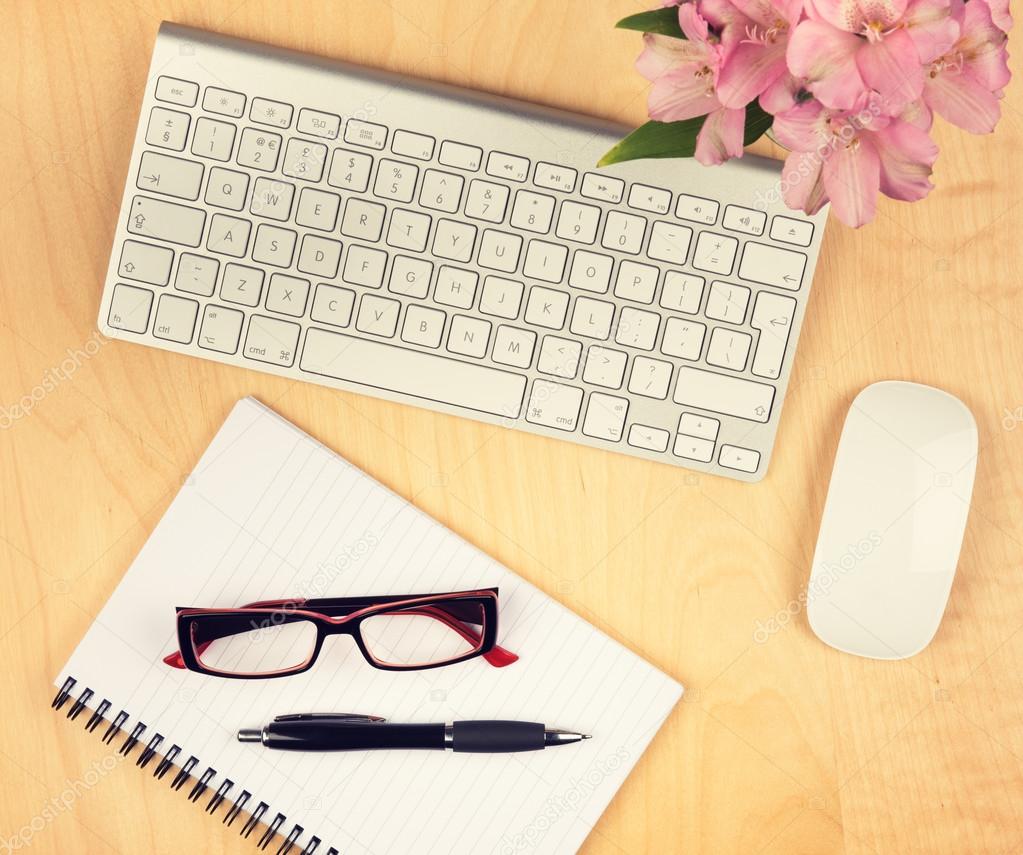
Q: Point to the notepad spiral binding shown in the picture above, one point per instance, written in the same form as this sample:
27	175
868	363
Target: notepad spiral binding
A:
184	773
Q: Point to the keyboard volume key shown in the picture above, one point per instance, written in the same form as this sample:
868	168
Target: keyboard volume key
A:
167	221
717	393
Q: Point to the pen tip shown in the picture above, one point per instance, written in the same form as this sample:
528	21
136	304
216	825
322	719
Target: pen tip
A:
587	736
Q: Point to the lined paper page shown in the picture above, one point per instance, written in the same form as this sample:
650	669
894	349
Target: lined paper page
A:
270	513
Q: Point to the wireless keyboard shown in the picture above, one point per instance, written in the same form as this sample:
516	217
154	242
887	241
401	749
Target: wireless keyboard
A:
457	251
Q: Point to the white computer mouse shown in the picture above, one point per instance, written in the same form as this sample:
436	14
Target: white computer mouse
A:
893	521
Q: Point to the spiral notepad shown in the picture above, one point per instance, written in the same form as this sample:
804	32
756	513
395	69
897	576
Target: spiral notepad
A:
269	512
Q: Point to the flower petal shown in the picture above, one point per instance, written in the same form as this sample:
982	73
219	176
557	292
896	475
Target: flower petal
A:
720	138
907	154
891	66
982	45
780	95
852	15
662	53
803	127
961	100
826	59
683	93
748	71
932	28
802	184
852	177
1000	14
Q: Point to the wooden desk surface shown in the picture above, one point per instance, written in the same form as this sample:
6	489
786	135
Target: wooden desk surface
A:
782	745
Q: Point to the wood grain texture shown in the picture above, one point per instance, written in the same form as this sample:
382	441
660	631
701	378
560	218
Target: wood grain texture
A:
782	746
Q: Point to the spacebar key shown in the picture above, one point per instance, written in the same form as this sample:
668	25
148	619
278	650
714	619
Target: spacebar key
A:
720	394
422	375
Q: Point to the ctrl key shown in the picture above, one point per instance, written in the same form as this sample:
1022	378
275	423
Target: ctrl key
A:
272	341
129	308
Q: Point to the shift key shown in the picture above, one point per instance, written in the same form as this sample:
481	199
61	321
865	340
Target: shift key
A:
154	218
720	394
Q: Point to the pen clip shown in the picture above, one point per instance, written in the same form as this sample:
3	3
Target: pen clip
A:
352	717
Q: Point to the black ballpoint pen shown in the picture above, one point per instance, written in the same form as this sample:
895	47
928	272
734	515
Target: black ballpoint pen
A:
352	732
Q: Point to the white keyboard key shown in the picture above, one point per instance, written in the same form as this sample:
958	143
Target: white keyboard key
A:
500	251
223	101
167	221
455	287
409	144
789	230
691	448
242	285
605	367
221	329
745	220
603	188
741	459
274	246
554	405
454	240
715	253
636	282
317	209
682	292
363	219
555	177
591	271
770	265
350	170
129	308
364	266
213	139
145	262
501	297
592	318
410	276
271	340
546	308
259	149
287	295
650	377
532	212
422	375
318	124
623	232
228	235
559	357
423	326
696	209
772	315
683	339
167	128
469	336
507	166
332	305
175	318
365	134
227	188
378	315
272	199
196	274
637	328
169	176
175	91
396	180
578	222
703	427
408	230
514	347
319	256
545	261
727	302
276	114
442	191
304	159
649	438
718	393
669	242
460	156
486	201
728	349
652	199
605	416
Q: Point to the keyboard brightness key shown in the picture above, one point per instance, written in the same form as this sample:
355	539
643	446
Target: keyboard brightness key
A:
554	405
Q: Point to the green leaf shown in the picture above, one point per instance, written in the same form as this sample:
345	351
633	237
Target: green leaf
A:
757	123
661	21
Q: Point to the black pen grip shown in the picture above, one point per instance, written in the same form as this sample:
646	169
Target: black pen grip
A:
497	737
351	736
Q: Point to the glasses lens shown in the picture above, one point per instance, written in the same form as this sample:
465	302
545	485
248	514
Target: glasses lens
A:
424	635
253	644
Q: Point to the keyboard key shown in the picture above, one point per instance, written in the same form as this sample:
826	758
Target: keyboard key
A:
454	240
682	292
554	405
704	427
259	150
718	393
425	376
228	235
591	271
744	220
741	459
623	232
650	377
501	297
274	246
350	170
789	230
728	349
378	315
727	302
546	308
271	198
364	266
460	156
649	438
287	295
317	124
652	199
486	201
396	180
555	177
224	102
129	308
636	282
683	339
637	328
715	253
167	128
175	318
691	448
696	209
669	242
772	315
365	134
423	326
508	166
578	222
545	261
271	340
408	230
317	209
559	357
456	287
603	188
175	91
226	188
442	191
605	416
592	318
408	144
469	336
170	176
363	220
166	221
276	114
770	265
213	139
514	347
221	329
242	285
197	274
410	276
332	305
305	160
532	212
319	256
605	367
145	262
499	251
